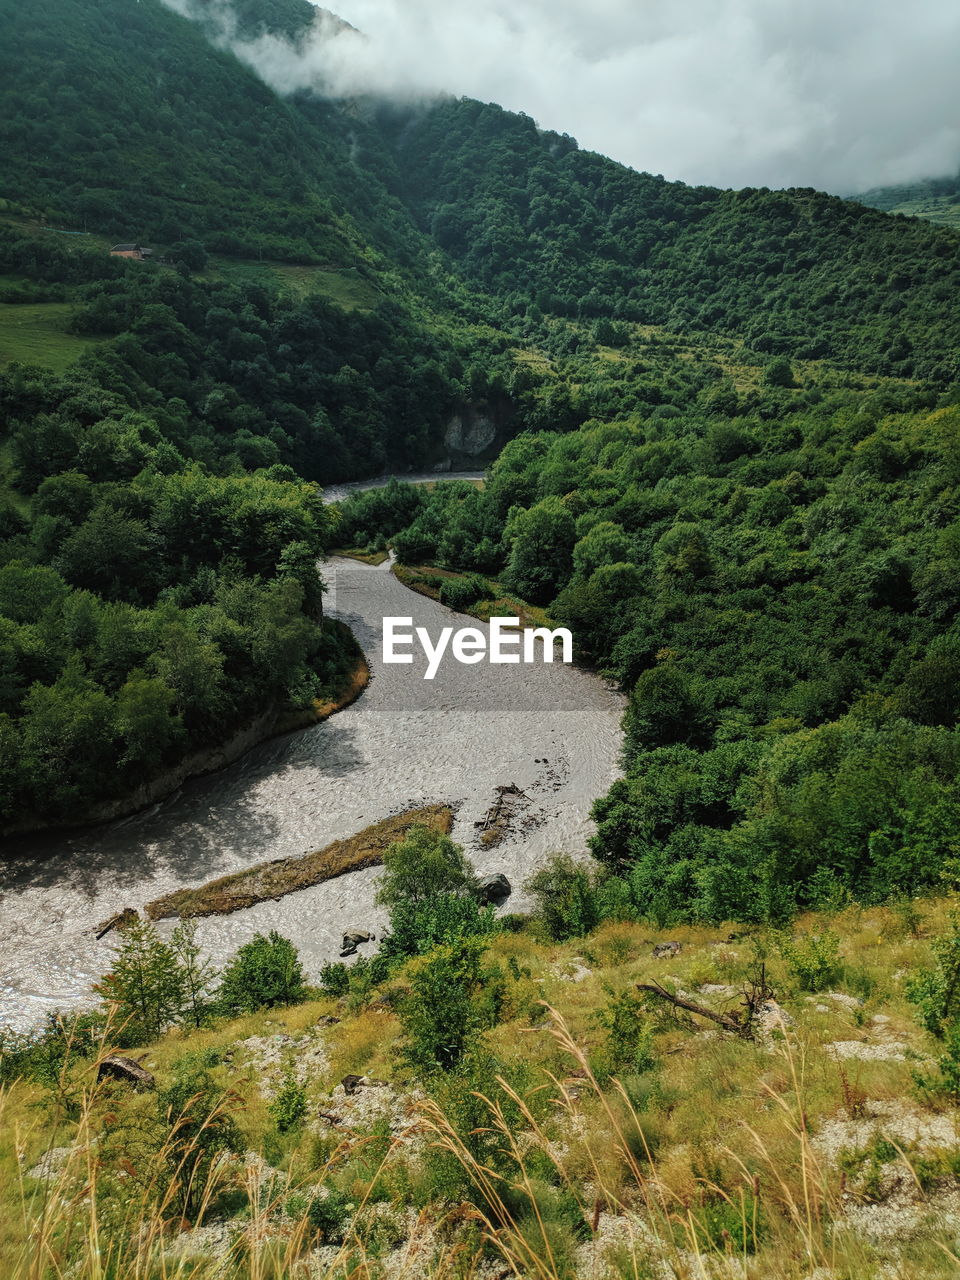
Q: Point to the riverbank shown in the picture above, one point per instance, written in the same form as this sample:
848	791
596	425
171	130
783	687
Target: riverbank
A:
270	881
373	558
272	723
429	581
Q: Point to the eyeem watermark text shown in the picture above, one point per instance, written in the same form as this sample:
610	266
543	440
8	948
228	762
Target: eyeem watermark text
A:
501	642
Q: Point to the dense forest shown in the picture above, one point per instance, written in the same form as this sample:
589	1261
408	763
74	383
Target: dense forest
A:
779	593
795	273
734	470
138	129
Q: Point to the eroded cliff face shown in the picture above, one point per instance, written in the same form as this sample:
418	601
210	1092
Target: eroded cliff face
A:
474	429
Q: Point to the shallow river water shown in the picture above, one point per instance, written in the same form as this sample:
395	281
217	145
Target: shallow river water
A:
551	730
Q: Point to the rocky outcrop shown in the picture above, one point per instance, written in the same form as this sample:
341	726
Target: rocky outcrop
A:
353	1084
352	939
665	949
470	431
117	1067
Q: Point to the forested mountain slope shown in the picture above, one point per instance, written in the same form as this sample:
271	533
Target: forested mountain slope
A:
158	587
937	199
793	272
123	118
506	270
140	127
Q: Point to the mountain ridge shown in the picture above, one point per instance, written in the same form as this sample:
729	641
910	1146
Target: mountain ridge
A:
522	214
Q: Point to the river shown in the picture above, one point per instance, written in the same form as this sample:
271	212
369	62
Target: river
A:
337	492
551	730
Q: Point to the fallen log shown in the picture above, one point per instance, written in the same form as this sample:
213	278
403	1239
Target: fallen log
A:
756	998
118	921
729	1022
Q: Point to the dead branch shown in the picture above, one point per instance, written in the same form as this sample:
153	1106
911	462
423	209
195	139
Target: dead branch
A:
729	1022
758	1001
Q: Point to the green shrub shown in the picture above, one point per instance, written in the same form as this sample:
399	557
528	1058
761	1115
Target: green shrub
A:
726	1225
564	897
289	1107
907	917
146	987
936	991
335	979
551	1225
629	1041
813	960
421	865
947	1082
197	975
460	593
200	1128
462	1097
328	1215
41	1055
265	972
443	1014
417	927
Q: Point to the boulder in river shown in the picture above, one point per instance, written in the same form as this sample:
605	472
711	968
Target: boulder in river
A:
117	1067
352	939
493	889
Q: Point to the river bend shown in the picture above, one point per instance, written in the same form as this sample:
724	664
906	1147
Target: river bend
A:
551	730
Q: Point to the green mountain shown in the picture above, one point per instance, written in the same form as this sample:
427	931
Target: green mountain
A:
792	272
723	436
936	199
180	141
333	284
123	119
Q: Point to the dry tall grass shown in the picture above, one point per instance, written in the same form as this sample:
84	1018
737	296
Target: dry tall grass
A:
725	1173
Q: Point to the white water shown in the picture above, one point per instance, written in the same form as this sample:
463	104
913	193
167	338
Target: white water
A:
552	730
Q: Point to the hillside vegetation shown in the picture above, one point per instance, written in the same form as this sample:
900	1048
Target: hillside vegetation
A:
778	591
936	199
521	1102
527	214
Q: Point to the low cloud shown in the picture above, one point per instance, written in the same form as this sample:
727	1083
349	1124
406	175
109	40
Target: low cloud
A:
730	92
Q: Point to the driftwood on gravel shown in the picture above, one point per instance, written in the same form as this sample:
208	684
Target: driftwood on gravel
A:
500	819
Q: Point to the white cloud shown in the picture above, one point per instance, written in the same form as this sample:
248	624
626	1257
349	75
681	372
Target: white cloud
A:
839	95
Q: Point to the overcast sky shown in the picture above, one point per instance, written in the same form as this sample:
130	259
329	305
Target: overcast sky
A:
838	94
